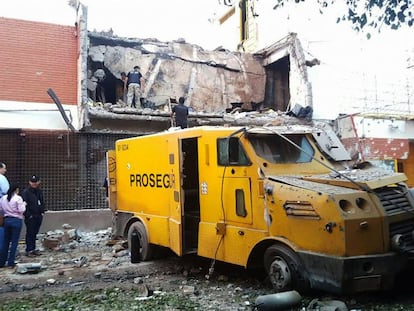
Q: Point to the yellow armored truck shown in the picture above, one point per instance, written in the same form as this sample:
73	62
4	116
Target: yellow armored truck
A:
279	198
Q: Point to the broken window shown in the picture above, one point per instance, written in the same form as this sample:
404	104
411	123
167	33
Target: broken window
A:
231	152
276	149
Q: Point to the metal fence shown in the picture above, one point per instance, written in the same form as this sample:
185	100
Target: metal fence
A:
72	166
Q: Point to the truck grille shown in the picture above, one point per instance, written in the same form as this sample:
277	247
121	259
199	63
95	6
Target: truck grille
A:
394	200
404	228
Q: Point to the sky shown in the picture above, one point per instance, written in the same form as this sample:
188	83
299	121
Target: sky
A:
356	74
165	20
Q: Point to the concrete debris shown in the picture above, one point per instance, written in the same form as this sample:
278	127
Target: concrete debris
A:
160	120
188	289
142	290
70	248
326	305
223	278
359	175
67	226
88	265
77	284
57	238
99	297
179	68
79	262
51	242
138	280
121	253
29	268
217	84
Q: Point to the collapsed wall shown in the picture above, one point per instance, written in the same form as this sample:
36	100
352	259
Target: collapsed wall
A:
210	80
220	86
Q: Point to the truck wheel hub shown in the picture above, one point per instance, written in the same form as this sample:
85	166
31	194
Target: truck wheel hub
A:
279	274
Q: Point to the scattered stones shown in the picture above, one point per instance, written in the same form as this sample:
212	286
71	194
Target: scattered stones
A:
187	289
90	264
28	268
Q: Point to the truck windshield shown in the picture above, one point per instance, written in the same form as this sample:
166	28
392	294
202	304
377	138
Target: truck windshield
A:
275	149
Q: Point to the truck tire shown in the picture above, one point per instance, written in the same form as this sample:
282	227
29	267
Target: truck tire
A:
284	269
144	248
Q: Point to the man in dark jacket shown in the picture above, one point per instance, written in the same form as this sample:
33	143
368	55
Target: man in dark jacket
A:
33	216
135	84
180	112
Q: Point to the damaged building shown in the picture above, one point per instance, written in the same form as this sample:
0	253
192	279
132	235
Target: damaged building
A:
214	83
60	124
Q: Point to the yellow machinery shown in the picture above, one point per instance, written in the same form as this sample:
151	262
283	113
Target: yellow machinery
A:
273	197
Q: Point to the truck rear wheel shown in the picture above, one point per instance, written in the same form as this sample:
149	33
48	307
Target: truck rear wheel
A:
144	249
284	269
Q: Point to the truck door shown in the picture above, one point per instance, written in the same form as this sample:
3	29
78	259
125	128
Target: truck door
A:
190	190
237	199
111	178
176	197
236	193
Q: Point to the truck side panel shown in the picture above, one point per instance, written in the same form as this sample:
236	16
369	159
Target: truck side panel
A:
146	182
232	210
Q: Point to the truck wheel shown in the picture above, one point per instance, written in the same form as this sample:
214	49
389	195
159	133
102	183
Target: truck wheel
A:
284	269
144	249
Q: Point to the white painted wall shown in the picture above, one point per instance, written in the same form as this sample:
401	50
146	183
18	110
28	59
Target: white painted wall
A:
36	116
356	74
380	128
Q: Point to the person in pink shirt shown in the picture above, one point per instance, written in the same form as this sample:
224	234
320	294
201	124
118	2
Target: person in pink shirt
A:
13	207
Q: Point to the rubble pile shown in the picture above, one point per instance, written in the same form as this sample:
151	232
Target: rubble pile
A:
81	262
235	117
69	248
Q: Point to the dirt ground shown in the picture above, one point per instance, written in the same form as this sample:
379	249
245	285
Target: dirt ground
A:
92	261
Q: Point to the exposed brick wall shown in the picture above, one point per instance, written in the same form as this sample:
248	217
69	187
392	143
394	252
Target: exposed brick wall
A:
34	57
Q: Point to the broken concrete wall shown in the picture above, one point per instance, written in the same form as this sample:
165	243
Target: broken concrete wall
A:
219	86
83	66
299	86
210	80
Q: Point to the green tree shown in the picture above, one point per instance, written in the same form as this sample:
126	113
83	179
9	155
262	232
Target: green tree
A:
364	14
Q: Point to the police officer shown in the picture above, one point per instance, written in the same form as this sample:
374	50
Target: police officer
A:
33	216
134	84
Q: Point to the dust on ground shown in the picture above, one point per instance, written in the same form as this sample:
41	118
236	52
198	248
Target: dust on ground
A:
74	261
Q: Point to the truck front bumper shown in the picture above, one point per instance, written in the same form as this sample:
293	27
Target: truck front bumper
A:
353	274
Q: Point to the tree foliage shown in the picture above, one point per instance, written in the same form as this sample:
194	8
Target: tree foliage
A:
365	14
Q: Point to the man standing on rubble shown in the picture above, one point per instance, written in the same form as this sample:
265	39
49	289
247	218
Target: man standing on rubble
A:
180	112
135	85
33	216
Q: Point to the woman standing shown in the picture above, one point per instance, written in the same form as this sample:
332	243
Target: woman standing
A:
13	206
